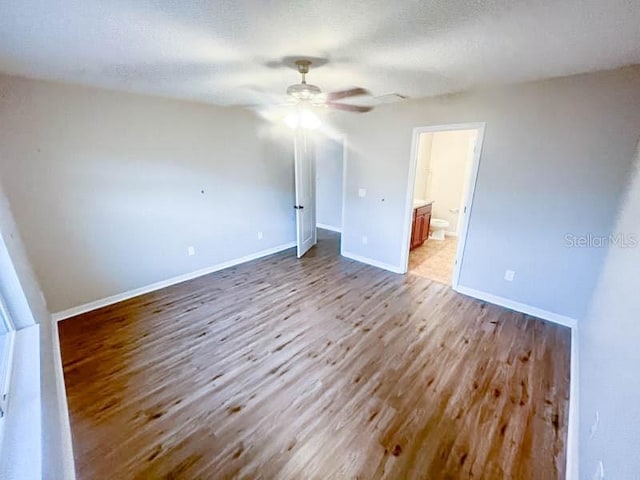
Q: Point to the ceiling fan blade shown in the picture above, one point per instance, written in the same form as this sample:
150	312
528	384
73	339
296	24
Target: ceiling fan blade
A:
349	108
354	92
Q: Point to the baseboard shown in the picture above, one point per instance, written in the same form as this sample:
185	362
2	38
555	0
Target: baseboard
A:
87	307
374	263
574	415
329	227
66	444
573	422
518	307
451	234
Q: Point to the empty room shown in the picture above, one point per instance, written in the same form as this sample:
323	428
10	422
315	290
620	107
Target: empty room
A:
319	240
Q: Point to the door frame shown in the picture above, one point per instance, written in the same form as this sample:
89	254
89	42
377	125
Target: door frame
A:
473	178
345	148
342	138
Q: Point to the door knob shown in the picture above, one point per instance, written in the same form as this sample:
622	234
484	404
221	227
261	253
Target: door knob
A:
298	207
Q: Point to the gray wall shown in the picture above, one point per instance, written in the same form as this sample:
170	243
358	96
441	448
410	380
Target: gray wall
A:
329	166
610	356
556	155
106	187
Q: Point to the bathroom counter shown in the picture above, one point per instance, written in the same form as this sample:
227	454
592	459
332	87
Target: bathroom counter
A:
421	203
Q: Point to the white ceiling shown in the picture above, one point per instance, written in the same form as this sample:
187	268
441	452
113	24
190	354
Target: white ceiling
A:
220	51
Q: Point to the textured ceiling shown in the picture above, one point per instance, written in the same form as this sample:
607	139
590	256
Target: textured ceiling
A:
222	51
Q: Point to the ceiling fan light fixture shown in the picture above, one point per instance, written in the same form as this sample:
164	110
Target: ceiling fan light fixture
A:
309	120
302	118
303	91
306	95
292	120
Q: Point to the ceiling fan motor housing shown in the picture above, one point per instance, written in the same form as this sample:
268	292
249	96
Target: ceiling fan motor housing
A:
303	91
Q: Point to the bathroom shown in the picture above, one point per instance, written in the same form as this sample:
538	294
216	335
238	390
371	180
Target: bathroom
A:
443	177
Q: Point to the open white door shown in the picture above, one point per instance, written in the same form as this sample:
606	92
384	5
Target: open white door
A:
305	173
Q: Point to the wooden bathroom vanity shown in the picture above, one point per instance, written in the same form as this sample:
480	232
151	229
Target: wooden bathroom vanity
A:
421	223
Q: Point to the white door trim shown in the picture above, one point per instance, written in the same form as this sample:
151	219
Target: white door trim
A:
413	160
345	148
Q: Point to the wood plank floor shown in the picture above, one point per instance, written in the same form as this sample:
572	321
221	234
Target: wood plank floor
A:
315	368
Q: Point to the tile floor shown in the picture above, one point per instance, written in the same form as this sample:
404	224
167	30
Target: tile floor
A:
434	259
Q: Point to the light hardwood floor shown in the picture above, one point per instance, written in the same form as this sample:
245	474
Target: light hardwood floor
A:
319	368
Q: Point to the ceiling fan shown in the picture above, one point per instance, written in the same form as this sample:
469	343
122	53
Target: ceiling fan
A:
304	93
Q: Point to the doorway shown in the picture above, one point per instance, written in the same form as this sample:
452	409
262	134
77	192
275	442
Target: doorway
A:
330	151
329	183
443	170
319	186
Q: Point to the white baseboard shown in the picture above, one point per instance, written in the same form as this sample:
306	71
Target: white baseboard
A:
66	444
451	234
369	261
574	415
519	307
87	307
329	227
572	323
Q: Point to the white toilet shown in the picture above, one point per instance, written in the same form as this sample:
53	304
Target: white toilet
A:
437	228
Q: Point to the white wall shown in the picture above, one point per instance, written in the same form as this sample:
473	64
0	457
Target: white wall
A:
610	355
329	167
450	164
556	154
106	187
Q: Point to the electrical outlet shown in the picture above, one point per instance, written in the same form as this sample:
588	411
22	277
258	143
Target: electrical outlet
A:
509	275
594	425
191	251
362	192
365	240
259	235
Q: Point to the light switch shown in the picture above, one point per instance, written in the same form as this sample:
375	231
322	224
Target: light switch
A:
362	192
